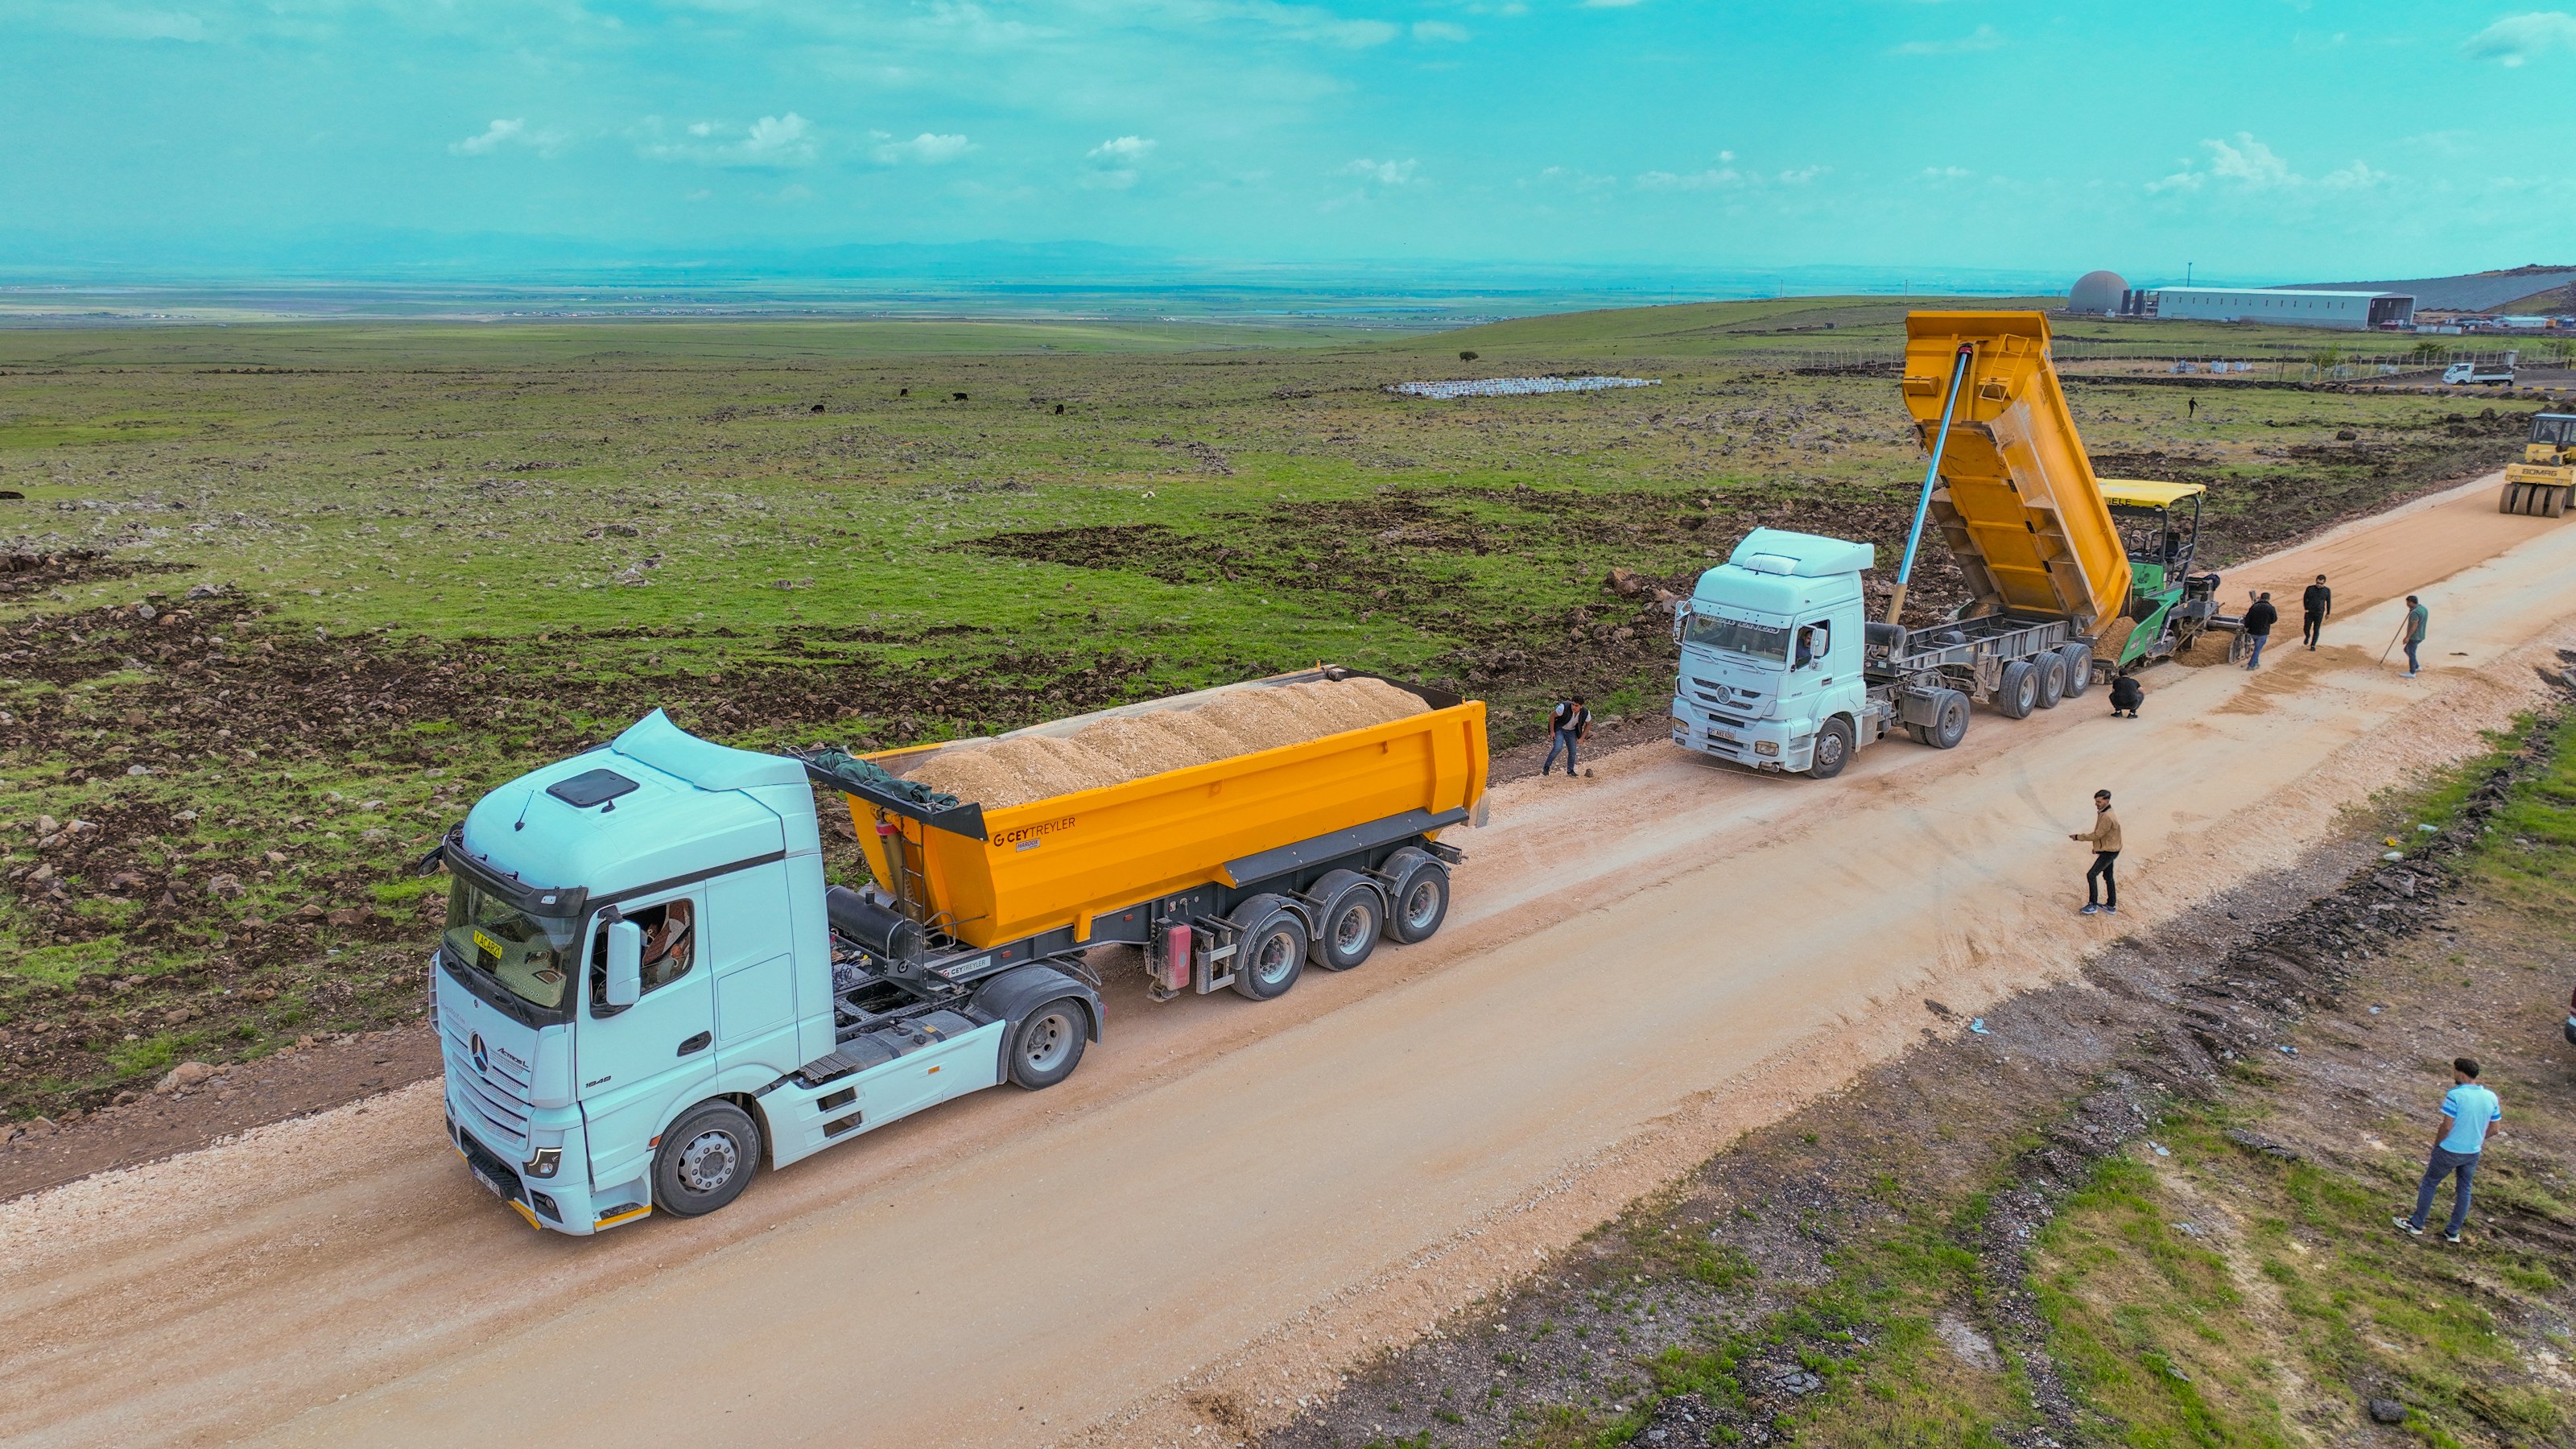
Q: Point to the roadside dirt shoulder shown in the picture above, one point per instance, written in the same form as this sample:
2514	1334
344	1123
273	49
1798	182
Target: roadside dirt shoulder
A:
2249	1081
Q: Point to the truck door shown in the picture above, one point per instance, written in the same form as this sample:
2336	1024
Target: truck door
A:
637	1064
1812	661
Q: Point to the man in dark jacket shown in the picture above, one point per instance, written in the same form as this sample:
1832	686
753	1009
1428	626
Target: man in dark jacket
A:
2259	619
2126	694
2315	605
1567	725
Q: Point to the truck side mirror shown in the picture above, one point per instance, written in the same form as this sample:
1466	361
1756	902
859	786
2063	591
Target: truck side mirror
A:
625	963
1681	619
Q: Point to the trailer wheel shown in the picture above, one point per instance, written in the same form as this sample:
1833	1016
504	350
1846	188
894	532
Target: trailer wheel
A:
1346	929
1949	721
1833	749
1271	952
2052	678
2079	669
2018	694
1421	897
706	1159
1047	1044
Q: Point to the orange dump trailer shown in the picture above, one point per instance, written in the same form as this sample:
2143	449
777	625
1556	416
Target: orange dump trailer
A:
1232	873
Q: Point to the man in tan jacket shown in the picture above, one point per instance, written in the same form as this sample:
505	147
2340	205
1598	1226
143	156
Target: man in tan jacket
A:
2105	840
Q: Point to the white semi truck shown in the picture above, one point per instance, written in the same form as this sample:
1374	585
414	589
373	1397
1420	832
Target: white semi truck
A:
2069	575
646	992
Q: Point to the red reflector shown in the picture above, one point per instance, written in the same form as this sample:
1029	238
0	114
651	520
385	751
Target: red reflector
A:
1176	957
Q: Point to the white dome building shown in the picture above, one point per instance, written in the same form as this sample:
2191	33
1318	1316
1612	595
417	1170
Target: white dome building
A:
2097	292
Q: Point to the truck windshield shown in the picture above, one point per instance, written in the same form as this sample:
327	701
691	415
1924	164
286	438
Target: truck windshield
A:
525	954
1738	636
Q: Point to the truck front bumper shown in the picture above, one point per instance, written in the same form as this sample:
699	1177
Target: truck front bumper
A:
562	1202
1763	744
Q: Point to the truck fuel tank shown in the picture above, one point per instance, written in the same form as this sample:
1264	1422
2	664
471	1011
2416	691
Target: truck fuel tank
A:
859	920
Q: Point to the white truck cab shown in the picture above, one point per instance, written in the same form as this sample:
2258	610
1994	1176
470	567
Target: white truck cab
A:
1771	654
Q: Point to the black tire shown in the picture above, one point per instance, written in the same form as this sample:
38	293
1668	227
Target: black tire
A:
2052	678
1921	735
706	1159
1346	929
1271	953
1047	1044
1949	720
2079	669
2018	693
1420	901
1833	749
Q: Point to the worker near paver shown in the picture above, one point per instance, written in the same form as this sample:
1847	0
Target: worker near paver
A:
2470	1115
2314	606
2260	616
2105	840
2126	694
2418	619
1567	726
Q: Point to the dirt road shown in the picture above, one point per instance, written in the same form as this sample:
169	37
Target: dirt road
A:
1232	1200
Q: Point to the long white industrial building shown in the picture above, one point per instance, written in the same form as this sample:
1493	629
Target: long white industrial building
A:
2352	311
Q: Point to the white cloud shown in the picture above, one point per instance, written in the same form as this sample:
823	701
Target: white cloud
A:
1947	173
1382	173
927	149
1608	4
771	141
1802	175
2519	38
2247	164
2249	161
508	133
1430	30
491	139
1690	181
1124	150
1984	37
1119	162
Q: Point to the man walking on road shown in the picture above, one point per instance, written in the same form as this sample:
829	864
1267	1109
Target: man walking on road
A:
2316	604
2418	618
2259	619
2469	1117
1567	726
2105	840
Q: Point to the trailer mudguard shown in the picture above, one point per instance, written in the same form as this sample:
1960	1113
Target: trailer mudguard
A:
1015	993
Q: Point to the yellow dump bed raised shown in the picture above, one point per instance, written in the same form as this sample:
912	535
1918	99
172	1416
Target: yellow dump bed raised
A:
1058	862
2017	500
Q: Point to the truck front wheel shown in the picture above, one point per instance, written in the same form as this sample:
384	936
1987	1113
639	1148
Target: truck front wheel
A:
1271	952
1047	1044
1833	749
706	1159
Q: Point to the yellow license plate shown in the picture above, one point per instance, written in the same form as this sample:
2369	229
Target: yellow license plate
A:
486	944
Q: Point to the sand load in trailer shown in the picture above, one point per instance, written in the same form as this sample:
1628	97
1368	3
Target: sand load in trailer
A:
1302	787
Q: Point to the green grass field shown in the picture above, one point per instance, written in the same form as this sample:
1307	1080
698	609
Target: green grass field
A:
431	555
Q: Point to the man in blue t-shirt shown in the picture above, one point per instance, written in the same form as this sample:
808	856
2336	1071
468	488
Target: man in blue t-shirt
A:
2470	1114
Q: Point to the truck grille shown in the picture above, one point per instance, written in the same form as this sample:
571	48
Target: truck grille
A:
500	1097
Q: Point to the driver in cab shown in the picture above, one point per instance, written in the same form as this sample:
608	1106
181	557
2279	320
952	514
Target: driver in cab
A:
1814	642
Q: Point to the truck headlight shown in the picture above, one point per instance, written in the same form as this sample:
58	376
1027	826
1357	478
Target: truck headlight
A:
543	1162
1766	747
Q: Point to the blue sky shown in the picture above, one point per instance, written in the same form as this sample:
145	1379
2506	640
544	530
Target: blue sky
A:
2258	140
